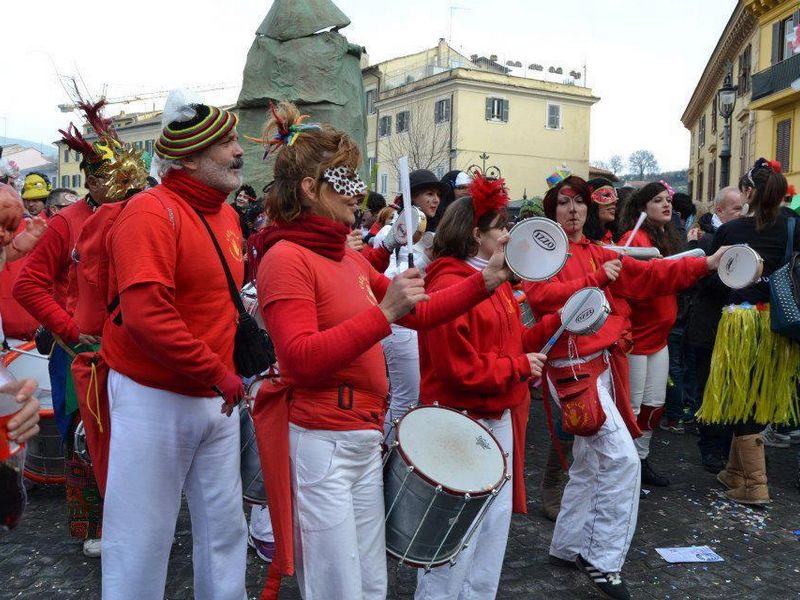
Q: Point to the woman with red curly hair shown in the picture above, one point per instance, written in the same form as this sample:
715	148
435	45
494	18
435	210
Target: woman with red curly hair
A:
480	362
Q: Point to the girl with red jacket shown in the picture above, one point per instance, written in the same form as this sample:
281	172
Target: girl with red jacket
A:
327	310
480	362
588	376
651	320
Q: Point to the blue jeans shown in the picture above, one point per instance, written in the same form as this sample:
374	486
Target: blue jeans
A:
676	395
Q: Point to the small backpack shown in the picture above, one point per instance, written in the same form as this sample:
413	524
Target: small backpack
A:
784	291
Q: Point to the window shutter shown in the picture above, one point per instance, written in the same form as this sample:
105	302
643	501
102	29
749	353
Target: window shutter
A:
437	112
505	111
446	110
488	109
795	19
777	43
783	143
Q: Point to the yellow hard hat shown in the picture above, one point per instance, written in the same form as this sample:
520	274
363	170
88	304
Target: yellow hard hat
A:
35	187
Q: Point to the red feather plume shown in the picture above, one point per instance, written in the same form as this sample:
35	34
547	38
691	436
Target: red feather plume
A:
774	165
73	138
487	195
790	190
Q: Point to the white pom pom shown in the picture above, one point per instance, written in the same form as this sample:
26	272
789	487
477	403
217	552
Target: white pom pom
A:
178	106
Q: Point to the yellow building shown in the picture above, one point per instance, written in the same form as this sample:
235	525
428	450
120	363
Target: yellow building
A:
776	84
138	129
446	111
736	53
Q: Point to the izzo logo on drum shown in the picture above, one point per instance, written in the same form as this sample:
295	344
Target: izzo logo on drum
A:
481	441
544	240
584	315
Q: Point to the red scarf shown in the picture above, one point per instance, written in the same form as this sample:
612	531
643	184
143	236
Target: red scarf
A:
320	234
197	194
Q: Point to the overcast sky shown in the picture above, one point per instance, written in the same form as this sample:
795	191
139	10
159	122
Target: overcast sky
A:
643	57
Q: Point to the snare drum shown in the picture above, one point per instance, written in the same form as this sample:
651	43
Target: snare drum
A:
253	490
592	314
249	296
537	249
740	266
44	459
440	477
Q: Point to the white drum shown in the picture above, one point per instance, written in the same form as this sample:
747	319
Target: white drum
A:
537	249
419	223
586	311
253	490
249	296
740	266
440	476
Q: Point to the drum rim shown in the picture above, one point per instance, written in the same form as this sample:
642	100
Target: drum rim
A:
748	250
605	312
12	354
566	254
432	482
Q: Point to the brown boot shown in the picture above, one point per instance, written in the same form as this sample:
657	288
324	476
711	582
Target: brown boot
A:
750	449
731	476
554	480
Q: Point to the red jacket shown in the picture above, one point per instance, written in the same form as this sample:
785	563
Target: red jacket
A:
652	319
17	322
477	361
45	286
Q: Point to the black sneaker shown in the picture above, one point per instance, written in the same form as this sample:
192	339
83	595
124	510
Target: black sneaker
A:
712	463
561	562
650	477
610	584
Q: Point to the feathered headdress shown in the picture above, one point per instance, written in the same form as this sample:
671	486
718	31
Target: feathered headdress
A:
488	195
95	154
286	134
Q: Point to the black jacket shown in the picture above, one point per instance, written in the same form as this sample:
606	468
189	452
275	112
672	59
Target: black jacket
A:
708	297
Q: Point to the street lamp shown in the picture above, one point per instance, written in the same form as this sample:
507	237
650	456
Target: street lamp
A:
726	99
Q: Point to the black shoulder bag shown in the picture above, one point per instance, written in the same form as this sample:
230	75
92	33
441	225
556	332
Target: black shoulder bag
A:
253	352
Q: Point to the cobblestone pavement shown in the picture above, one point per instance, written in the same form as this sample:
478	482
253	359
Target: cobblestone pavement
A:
761	552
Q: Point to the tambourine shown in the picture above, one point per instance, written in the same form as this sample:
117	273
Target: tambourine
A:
537	249
418	221
740	266
585	312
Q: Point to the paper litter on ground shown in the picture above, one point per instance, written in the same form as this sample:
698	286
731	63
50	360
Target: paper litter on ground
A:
689	554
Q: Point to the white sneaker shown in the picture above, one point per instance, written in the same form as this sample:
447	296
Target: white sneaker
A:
91	548
774	439
794	436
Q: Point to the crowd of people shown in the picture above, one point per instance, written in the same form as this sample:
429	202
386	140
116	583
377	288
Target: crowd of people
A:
129	292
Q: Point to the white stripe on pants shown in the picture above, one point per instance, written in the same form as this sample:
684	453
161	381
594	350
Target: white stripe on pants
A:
161	444
648	377
340	540
601	501
402	359
476	574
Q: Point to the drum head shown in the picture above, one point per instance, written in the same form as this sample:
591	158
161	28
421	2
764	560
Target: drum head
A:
739	267
24	366
451	450
399	225
537	249
583	309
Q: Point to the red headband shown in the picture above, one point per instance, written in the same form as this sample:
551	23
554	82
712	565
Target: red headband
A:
487	195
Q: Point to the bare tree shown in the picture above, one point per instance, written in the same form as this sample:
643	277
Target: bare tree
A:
642	162
615	164
424	142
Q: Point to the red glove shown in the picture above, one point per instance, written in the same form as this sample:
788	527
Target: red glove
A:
230	388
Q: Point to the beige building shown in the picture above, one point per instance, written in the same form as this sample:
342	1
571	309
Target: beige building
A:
737	50
138	129
446	111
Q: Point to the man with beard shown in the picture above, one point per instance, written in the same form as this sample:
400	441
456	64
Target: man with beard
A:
169	345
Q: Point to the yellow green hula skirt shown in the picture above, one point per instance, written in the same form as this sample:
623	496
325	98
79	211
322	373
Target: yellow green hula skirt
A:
754	372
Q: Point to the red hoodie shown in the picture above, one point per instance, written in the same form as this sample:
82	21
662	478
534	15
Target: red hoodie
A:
477	361
652	319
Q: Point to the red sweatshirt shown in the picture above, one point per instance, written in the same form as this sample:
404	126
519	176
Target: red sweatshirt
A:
652	319
44	286
17	322
378	257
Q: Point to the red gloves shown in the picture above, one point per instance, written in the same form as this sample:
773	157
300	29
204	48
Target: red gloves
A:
231	389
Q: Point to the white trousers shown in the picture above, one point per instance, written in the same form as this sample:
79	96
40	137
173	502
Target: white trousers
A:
601	501
162	444
340	539
261	524
476	574
648	377
402	358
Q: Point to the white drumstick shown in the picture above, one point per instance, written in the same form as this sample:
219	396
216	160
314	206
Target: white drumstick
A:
642	217
552	341
26	353
405	189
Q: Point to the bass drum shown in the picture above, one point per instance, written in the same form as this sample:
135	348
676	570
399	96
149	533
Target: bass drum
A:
253	490
44	458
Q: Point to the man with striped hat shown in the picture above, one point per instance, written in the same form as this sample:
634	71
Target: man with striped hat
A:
172	387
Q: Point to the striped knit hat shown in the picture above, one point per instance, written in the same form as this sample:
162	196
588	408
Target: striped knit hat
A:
180	139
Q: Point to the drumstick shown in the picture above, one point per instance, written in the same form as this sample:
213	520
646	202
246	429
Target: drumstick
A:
405	189
26	353
642	217
552	341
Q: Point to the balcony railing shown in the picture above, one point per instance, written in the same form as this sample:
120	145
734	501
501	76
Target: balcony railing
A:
777	78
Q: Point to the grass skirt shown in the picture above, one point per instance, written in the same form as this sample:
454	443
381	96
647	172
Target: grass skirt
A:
754	372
